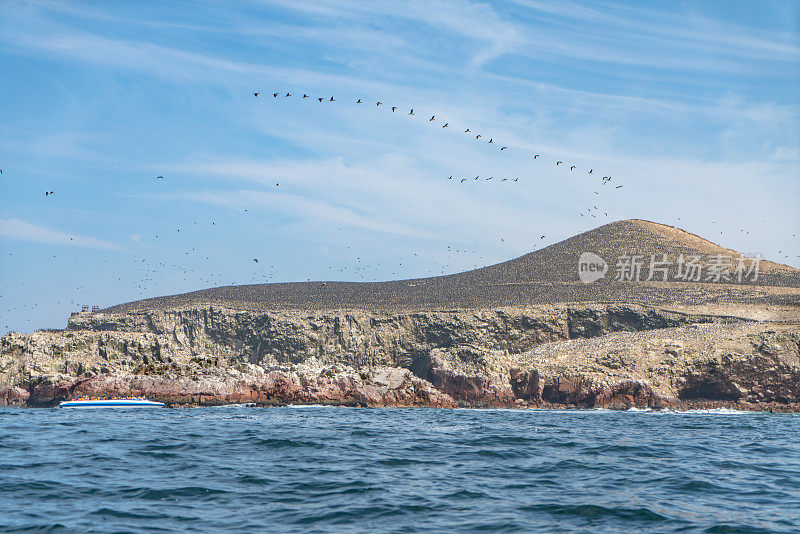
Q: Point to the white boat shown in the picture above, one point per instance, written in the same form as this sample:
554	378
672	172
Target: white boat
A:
132	402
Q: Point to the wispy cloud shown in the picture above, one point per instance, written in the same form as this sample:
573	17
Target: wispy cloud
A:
670	30
474	24
25	231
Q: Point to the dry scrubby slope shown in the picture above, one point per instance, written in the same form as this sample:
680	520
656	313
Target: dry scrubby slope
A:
542	277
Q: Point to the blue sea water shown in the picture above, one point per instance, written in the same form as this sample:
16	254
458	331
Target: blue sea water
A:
315	469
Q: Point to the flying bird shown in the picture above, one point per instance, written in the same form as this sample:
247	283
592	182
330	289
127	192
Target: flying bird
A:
433	117
559	163
256	94
572	168
467	130
535	156
378	103
478	136
618	187
490	140
255	260
288	94
275	95
463	180
503	148
159	177
451	177
411	112
445	125
394	108
590	171
332	100
320	99
358	101
305	95
516	179
541	237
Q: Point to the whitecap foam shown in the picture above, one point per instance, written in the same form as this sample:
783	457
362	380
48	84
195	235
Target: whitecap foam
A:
708	411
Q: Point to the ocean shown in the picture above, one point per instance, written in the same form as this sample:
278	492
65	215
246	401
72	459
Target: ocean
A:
329	469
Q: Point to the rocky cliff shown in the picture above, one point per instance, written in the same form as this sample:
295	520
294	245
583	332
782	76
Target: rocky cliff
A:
526	332
582	355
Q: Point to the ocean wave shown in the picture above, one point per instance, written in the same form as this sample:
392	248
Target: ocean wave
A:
341	470
709	411
593	511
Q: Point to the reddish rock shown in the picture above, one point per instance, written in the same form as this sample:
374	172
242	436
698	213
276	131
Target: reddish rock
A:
468	389
571	391
582	393
762	378
629	394
272	388
13	396
526	384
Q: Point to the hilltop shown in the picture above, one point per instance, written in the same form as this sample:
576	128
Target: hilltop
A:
546	276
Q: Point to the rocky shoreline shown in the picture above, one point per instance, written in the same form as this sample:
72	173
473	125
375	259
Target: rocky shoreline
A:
575	356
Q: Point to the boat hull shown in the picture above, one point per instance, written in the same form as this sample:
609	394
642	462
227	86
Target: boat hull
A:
111	403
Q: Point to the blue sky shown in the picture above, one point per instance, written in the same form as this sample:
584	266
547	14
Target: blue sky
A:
693	106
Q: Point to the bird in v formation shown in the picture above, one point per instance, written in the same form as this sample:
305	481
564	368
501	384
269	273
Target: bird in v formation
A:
478	136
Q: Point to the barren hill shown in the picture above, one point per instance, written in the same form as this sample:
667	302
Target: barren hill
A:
545	276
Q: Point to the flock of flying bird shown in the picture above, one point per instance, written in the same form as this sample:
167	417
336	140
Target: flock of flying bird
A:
478	136
148	270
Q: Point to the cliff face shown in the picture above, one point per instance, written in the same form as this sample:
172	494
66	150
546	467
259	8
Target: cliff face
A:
747	364
499	357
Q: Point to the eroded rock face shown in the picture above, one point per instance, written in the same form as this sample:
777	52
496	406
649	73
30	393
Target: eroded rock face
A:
356	338
692	365
339	386
583	392
467	375
760	378
13	396
526	384
583	356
